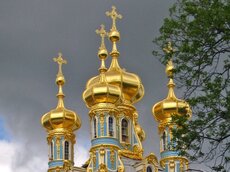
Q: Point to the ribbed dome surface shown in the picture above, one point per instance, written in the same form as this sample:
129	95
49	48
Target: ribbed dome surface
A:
101	92
130	84
61	118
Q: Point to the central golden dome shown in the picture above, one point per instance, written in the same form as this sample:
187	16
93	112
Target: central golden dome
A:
129	83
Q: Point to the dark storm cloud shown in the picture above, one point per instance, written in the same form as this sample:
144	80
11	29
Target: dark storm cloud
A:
32	32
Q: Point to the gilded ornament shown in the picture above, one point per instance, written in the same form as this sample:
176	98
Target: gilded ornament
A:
112	157
102	124
102	168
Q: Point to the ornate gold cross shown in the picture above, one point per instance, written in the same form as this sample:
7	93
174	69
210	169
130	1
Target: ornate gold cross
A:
60	61
114	15
102	32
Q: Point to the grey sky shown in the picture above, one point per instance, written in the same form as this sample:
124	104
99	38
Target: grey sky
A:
32	32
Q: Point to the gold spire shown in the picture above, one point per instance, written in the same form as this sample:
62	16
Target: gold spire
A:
102	52
60	117
60	79
164	109
130	83
169	70
114	34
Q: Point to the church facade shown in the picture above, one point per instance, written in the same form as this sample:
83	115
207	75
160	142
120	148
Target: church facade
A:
116	135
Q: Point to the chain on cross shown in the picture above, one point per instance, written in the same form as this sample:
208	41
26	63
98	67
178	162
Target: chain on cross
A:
114	15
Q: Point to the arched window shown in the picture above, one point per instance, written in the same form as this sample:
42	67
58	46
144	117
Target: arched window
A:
51	150
111	131
149	169
125	130
94	128
164	140
66	150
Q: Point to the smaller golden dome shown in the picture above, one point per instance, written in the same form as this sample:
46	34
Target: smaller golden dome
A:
164	109
97	89
60	117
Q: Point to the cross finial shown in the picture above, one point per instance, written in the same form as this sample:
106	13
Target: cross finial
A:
170	69
102	32
60	61
114	15
168	49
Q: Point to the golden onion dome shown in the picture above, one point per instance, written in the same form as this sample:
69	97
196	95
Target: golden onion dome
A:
130	84
60	117
163	110
99	91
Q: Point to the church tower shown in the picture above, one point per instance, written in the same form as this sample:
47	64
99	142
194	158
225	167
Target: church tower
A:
102	98
163	111
60	124
116	135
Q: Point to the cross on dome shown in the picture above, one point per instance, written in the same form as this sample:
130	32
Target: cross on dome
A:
114	16
60	61
102	32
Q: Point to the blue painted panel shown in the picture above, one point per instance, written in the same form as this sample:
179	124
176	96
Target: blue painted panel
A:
97	160
108	160
169	153
61	148
166	168
55	163
178	167
105	127
99	128
105	140
55	148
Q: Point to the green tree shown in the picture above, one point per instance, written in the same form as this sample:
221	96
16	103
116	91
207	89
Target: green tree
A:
199	31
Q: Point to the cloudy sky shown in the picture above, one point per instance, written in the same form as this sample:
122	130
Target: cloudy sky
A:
32	32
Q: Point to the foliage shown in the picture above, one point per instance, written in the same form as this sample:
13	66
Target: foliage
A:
199	31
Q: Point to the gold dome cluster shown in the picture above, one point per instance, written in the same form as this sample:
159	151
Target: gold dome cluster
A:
60	117
130	86
171	105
